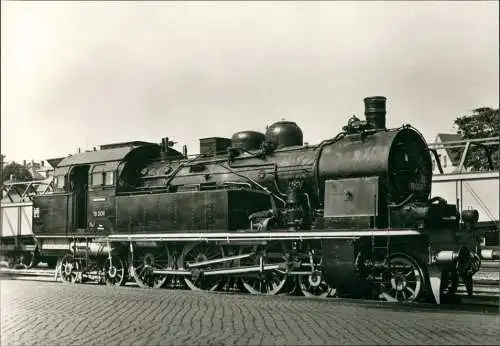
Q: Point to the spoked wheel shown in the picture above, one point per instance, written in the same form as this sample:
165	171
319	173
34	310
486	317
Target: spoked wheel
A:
35	259
146	260
200	252
24	260
70	269
115	272
314	285
268	282
406	280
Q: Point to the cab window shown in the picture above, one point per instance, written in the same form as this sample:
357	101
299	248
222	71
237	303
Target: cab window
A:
103	178
109	178
60	181
97	179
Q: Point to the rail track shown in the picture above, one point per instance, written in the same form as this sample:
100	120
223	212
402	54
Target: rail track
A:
486	287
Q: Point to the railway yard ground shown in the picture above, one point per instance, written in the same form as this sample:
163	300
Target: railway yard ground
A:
38	310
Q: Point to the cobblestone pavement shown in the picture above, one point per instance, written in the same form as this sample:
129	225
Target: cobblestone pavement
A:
45	313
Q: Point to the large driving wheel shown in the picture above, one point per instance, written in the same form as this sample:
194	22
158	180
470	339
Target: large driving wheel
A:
269	282
201	252
145	261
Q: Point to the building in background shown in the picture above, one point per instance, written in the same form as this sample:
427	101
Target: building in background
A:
449	157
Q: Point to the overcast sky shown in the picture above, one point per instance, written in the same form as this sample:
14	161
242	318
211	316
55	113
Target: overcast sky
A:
85	74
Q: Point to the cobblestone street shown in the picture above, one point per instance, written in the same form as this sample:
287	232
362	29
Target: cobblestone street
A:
36	313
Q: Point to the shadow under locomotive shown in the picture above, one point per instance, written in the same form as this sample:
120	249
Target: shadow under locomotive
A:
351	216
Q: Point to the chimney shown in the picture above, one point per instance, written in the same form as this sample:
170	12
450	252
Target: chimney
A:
24	163
164	148
185	151
375	111
42	163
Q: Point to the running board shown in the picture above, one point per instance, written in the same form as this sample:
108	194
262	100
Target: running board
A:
229	237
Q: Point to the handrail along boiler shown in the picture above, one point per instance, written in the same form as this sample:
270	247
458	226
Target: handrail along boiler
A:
264	212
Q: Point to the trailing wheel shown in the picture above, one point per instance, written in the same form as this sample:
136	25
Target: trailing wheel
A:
314	285
21	260
115	272
145	261
201	252
34	260
70	270
405	282
269	282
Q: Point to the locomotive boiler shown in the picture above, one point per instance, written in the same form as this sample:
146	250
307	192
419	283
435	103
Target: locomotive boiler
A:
264	212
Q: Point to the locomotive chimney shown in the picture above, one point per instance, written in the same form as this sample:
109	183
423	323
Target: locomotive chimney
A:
164	144
164	148
375	111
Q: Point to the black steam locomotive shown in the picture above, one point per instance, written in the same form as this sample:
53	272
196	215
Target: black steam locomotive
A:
351	216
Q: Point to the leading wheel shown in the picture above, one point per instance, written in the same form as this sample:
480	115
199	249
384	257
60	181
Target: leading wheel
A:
314	285
405	281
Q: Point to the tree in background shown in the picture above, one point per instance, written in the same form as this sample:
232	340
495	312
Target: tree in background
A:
18	171
484	122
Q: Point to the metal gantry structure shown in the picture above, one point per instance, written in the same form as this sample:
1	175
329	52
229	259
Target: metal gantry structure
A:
472	188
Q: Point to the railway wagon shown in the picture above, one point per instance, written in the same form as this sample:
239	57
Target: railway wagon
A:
266	213
18	246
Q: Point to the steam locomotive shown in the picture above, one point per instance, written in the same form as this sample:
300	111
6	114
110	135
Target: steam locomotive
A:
264	212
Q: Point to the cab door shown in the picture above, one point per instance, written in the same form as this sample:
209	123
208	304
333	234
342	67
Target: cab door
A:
79	189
